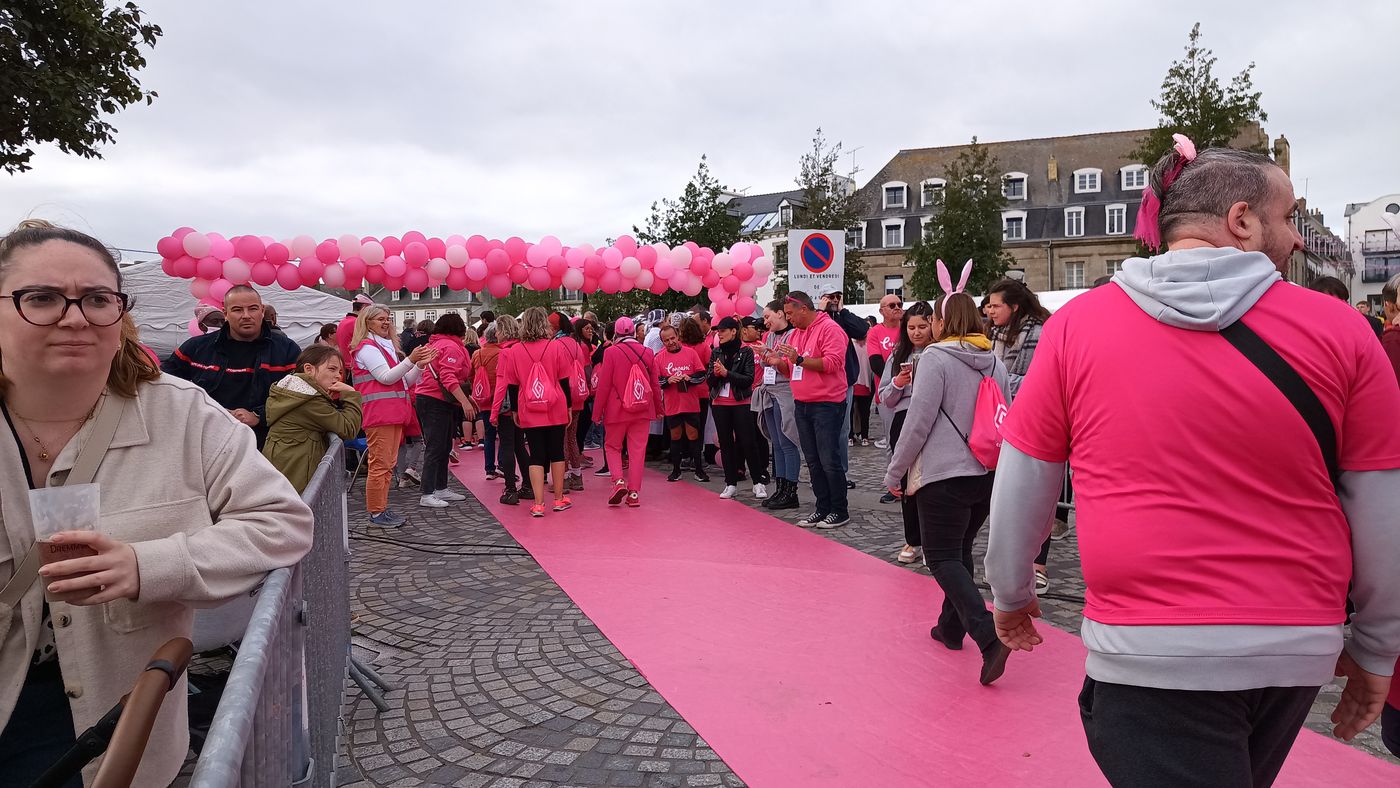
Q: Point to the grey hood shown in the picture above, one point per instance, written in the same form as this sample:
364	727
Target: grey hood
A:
1199	289
976	358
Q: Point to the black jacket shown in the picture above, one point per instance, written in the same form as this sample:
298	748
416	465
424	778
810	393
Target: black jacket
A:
203	360
738	365
856	328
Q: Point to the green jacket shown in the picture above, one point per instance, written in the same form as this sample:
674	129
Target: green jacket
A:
299	414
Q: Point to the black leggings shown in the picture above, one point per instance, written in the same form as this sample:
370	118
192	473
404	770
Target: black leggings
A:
737	426
951	512
514	453
907	506
860	415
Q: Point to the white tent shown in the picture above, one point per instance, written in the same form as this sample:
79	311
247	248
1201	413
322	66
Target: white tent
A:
1050	299
163	308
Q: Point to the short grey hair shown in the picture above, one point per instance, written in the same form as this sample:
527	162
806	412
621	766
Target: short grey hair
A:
1208	186
1391	290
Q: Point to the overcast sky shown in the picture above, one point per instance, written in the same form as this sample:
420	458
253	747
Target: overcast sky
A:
568	118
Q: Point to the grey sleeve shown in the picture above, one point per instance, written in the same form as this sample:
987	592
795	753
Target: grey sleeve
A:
1023	510
890	394
1370	500
927	396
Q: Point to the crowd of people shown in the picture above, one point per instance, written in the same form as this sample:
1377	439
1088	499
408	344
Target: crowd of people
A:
1234	488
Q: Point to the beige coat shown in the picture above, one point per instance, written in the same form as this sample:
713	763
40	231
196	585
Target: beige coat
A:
207	515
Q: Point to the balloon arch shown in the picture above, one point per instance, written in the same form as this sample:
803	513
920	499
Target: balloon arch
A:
416	262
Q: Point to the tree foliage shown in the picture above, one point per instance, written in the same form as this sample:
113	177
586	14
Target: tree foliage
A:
1194	103
966	226
522	298
829	203
64	66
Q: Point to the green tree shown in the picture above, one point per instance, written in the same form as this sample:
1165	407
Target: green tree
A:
829	203
1194	103
64	65
522	298
966	226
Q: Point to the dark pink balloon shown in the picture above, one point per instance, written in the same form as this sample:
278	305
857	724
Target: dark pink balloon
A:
210	268
264	273
730	283
699	266
743	271
250	249
497	262
538	279
367	239
277	254
220	248
457	279
475	285
495	243
518	273
515	247
327	252
610	281
711	278
590	284
393	282
557	265
170	247
392	245
437	247
646	255
289	277
416	280
593	266
167	266
311	270
353	283
414	237
218	289
415	254
659	286
355	268
499	286
186	267
374	274
692	246
477	247
180	234
627	245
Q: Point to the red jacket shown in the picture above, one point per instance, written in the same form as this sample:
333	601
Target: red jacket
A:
612	379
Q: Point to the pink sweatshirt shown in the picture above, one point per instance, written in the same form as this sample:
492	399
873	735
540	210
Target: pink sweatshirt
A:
822	339
612	379
514	370
452	367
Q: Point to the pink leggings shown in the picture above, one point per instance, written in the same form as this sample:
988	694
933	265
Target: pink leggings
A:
634	434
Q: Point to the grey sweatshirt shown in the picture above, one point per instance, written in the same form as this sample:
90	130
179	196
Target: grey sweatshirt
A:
930	446
1206	290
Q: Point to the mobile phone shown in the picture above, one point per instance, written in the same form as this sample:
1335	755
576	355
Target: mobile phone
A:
905	365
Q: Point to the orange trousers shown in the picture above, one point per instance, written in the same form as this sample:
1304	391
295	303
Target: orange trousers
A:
383	453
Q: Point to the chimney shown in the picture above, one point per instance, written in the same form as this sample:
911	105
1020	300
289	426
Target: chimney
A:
1052	170
1282	155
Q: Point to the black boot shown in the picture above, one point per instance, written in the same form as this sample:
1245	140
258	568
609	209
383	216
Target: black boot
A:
787	498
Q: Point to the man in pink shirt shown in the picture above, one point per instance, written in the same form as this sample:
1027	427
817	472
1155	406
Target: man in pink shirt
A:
815	357
346	330
879	344
1219	526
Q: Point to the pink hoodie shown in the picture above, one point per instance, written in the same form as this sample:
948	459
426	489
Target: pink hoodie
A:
452	366
612	379
822	339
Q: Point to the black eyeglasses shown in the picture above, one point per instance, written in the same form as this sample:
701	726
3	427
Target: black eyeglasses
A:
40	307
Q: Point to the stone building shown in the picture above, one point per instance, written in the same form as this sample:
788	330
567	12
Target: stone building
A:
1373	229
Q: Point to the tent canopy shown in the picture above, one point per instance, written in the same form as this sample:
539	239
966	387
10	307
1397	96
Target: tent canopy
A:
1050	299
163	307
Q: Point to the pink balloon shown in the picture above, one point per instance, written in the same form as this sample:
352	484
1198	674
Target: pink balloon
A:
612	258
476	269
537	256
610	281
477	247
193	328
740	253
539	279
170	247
699	266
327	252
575	257
476	285
680	280
395	266
627	245
456	240
181	233
659	286
694	288
277	254
250	248
573	278
303	246
457	278
436	247
373	253
457	256
221	249
208	268
722	263
497	261
199	288
629	268
416	280
348	245
590	284
515	247
556	265
415	253
392	245
518	273
551	245
196	245
354	268
745	306
186	267
437	268
644	280
692	246
762	267
681	256
353	283
311	271
393	282
374	274
413	236
593	266
664	269
334	275
730	283
721	309
167	266
646	256
743	271
263	273
711	278
237	271
498	285
219	288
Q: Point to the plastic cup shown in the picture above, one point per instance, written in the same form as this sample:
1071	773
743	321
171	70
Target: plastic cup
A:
54	509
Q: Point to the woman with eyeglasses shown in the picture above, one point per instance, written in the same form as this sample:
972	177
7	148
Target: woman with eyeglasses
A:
189	512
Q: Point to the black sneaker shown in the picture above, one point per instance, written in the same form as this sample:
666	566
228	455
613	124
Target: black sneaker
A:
674	476
701	476
603	471
510	497
811	520
527	492
834	520
850	485
888	497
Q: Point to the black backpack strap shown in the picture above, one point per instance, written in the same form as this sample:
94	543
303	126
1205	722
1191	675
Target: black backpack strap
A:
1291	384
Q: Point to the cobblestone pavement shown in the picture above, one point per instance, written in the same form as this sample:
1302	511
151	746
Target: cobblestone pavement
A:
501	681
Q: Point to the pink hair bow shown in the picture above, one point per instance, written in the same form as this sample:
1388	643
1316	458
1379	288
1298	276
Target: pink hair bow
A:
946	282
1149	230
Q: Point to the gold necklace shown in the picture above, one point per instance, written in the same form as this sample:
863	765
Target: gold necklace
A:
44	450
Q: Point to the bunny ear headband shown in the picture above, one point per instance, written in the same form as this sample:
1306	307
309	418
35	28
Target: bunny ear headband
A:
1149	230
946	282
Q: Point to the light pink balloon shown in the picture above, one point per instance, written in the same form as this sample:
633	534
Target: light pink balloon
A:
681	280
303	246
395	266
612	258
456	240
219	288
437	268
539	279
644	280
721	309
723	264
196	245
629	268
457	256
664	269
740	253
762	267
745	306
372	252
748	288
573	278
199	288
349	246
415	253
537	256
575	257
551	246
238	271
476	269
208	268
611	280
416	280
498	285
263	273
744	271
682	256
334	275
221	249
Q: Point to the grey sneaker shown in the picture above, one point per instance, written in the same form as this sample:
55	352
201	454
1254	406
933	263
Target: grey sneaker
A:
448	495
432	502
386	519
834	520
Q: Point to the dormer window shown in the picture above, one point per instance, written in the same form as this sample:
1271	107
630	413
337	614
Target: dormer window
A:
1134	177
1088	180
931	192
784	215
896	194
1013	185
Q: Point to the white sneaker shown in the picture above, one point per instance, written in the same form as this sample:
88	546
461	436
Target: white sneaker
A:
447	495
760	491
432	501
729	491
882	444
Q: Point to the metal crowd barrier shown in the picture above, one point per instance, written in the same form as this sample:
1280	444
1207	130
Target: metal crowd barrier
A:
278	720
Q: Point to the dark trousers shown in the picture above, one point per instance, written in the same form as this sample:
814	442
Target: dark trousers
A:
488	442
40	730
514	454
820	428
683	446
1145	737
951	512
1390	729
585	424
908	507
860	415
439	421
737	427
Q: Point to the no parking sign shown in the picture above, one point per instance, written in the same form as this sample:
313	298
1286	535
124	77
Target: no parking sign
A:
816	261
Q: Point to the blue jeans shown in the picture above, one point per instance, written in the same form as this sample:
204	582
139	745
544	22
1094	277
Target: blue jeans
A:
819	428
786	459
489	444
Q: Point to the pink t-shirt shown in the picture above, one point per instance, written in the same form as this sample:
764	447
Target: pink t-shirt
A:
822	339
879	343
684	362
1200	493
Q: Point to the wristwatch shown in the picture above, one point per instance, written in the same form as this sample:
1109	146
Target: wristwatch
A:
797	362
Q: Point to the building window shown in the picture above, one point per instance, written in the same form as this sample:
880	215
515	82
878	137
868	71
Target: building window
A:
410	315
923	226
1074	276
855	237
894	285
931	192
414	296
435	292
896	194
394	296
430	314
1116	222
1013	226
1013	186
1113	266
1134	177
894	234
1074	222
1087	181
784	215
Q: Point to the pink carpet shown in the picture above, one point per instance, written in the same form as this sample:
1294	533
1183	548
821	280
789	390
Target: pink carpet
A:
804	662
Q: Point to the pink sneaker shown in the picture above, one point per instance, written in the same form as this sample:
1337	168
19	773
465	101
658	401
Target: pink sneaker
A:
560	504
537	510
619	492
633	501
